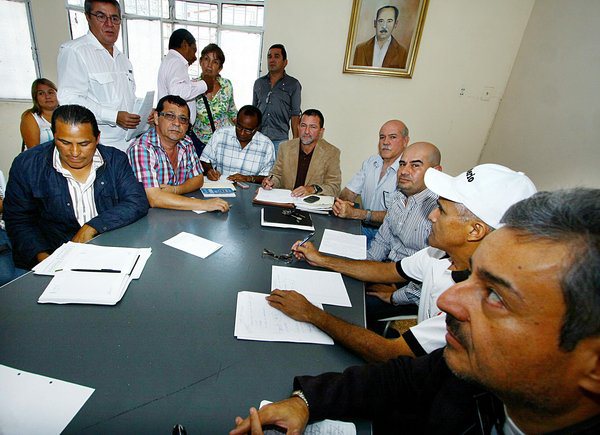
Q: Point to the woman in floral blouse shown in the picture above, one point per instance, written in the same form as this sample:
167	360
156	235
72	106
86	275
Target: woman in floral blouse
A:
219	98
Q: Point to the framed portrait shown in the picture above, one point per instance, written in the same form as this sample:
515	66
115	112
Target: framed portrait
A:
384	36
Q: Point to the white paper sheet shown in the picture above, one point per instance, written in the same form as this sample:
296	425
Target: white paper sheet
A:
34	404
221	183
256	320
344	244
98	288
142	108
278	196
192	244
317	286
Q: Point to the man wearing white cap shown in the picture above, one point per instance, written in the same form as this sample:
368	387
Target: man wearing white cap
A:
469	208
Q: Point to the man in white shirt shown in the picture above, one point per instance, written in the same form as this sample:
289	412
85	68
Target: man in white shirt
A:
375	182
173	77
93	73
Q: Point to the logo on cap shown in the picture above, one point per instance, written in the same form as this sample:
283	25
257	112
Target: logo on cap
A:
470	175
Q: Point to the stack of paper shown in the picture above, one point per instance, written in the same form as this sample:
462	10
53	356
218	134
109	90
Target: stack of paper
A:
281	197
90	274
344	244
219	188
256	320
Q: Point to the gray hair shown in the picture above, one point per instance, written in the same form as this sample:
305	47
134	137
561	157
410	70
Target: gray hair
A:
570	217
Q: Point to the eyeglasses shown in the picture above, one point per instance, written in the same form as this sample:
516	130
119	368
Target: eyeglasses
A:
103	17
286	258
171	117
244	129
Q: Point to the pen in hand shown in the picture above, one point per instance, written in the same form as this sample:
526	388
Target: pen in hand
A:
306	239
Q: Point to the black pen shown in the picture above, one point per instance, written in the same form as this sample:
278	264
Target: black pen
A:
306	239
96	270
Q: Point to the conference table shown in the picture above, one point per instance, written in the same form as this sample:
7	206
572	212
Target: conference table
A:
166	353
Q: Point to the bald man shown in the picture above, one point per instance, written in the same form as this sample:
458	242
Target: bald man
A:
376	180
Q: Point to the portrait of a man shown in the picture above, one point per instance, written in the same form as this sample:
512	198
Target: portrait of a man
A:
382	50
384	36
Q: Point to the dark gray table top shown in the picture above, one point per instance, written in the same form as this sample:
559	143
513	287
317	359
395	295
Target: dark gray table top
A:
166	353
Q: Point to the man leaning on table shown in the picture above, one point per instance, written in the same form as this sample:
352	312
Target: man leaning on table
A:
241	152
523	341
375	182
70	189
309	164
165	161
470	207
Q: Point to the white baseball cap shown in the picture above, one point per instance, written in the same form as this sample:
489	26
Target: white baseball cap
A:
487	190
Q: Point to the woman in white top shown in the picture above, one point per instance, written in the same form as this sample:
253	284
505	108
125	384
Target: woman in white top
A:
35	122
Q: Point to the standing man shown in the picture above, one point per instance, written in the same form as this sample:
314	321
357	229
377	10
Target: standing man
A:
308	165
70	189
93	73
382	51
173	77
375	182
164	160
277	95
241	152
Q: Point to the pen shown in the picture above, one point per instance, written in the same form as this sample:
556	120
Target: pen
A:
306	239
96	270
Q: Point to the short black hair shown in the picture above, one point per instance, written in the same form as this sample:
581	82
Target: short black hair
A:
570	217
396	12
213	48
250	110
74	114
87	6
314	112
282	48
173	99
177	38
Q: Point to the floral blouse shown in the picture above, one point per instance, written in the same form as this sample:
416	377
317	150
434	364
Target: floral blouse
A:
222	108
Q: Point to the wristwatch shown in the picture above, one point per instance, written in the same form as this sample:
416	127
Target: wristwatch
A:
367	219
317	189
300	394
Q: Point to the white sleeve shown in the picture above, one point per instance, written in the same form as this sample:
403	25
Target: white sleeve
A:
181	85
414	265
357	182
431	333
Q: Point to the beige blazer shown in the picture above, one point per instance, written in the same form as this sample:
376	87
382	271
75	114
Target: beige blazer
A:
324	168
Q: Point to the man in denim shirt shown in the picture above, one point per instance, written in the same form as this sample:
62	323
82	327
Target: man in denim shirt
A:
70	189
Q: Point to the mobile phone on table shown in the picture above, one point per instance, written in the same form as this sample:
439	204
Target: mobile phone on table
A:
311	199
242	185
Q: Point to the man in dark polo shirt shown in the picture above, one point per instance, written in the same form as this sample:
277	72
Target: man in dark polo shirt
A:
277	95
309	164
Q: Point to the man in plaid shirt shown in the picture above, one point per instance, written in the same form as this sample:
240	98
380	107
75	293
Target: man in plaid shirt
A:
241	152
165	161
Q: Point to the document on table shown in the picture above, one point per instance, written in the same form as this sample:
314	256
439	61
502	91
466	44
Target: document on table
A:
221	183
72	256
344	244
324	427
31	403
256	320
317	286
97	288
142	108
193	244
275	196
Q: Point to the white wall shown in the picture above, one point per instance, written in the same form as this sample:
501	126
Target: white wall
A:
465	44
548	124
51	27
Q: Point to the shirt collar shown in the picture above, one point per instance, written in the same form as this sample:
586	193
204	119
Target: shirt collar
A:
177	55
97	161
94	41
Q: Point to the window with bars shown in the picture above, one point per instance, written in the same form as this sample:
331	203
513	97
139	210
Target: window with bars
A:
18	57
236	26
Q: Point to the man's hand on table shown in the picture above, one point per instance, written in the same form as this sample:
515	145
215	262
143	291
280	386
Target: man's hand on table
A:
381	291
307	252
85	234
343	209
293	304
267	183
213	175
291	414
303	191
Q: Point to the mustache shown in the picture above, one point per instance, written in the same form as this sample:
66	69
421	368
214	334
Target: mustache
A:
454	326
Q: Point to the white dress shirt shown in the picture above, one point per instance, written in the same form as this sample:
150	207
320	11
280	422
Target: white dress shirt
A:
375	190
379	53
173	79
89	76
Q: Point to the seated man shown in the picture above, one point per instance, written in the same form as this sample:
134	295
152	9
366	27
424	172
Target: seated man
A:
164	160
523	341
309	164
70	189
375	182
467	212
241	152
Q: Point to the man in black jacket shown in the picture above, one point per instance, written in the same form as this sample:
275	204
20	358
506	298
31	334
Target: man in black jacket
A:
523	341
70	189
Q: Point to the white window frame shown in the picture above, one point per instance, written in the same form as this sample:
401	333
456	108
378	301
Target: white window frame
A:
33	48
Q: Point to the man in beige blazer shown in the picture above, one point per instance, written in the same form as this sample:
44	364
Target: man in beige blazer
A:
309	164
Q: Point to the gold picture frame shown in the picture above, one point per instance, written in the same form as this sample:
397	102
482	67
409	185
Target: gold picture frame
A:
397	24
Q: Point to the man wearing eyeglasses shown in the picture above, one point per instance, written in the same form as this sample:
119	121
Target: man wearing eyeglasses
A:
240	152
165	161
93	73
